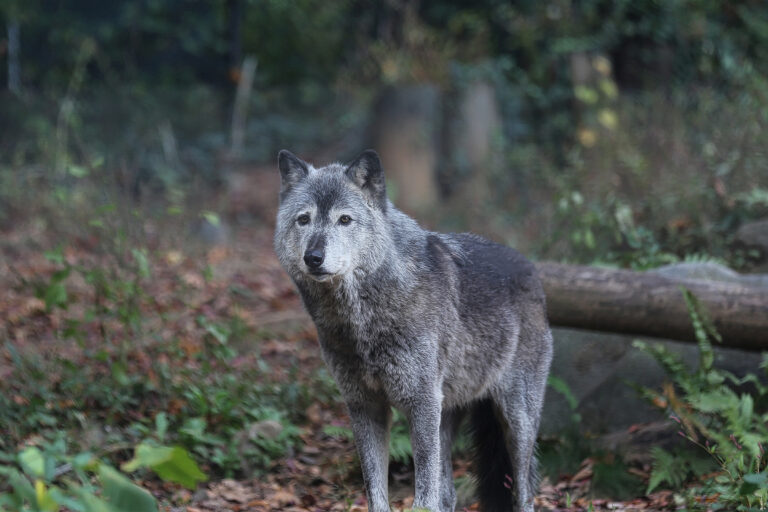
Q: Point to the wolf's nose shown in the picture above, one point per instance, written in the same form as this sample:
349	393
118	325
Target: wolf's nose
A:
314	258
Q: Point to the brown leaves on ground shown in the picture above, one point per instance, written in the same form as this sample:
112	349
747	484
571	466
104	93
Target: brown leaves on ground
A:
241	281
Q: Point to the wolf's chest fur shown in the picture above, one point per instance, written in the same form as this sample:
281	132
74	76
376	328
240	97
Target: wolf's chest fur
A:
368	333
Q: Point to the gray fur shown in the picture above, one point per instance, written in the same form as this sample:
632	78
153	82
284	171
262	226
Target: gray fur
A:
426	322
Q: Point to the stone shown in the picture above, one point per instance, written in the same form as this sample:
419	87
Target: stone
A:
754	234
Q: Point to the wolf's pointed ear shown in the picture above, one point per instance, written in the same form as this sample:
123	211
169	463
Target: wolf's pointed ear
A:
366	173
292	170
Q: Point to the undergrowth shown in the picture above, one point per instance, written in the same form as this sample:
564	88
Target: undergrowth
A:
724	416
120	370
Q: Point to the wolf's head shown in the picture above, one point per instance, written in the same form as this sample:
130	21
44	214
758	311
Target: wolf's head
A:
331	221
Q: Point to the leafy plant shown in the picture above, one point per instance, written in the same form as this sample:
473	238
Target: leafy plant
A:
564	453
49	479
724	415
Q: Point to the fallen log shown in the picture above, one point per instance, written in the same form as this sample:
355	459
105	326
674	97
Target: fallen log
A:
652	304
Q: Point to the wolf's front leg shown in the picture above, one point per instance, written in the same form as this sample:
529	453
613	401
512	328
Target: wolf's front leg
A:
424	419
370	426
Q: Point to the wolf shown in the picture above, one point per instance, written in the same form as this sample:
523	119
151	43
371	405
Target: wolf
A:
435	325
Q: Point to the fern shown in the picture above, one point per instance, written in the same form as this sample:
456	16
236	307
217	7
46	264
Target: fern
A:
730	428
400	439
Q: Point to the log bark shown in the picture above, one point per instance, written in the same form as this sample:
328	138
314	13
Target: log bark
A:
650	304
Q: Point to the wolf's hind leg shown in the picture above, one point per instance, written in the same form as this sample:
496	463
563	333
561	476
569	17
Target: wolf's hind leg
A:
519	398
449	423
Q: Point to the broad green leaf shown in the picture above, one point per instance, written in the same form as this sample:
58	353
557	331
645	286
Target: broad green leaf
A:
753	482
170	463
43	498
760	479
33	461
147	456
123	495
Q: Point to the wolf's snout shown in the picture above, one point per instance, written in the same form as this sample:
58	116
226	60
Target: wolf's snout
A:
314	258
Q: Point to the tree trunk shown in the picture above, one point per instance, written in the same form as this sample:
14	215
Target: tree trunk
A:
651	304
404	134
240	108
14	57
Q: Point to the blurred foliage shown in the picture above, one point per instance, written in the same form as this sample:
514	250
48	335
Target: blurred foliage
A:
51	479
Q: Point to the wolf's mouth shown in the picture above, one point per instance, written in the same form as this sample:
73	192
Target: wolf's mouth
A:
320	276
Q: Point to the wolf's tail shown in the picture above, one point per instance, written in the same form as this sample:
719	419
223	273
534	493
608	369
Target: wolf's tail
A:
492	462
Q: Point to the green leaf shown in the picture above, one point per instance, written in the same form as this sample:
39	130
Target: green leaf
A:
83	460
562	387
122	494
760	479
752	482
21	486
90	503
55	255
55	295
586	94
746	409
140	255
78	171
43	498
720	399
66	501
170	463
212	217
33	461
161	425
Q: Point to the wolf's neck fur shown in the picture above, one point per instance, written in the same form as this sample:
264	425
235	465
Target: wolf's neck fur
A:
391	266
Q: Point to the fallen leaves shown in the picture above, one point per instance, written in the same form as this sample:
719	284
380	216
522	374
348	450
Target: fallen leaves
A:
244	282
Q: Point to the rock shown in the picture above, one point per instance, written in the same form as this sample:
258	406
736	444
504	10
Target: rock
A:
597	368
269	429
213	232
754	234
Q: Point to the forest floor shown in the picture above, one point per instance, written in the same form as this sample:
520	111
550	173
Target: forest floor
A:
243	280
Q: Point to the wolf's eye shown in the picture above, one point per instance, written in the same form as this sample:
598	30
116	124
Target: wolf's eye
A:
303	219
345	219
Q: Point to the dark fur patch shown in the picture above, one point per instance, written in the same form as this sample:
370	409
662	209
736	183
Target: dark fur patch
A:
326	195
492	462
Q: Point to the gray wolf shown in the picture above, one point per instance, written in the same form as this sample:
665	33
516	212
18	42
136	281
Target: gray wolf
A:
433	324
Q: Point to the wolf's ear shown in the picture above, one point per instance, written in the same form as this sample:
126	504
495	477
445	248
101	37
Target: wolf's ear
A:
366	173
292	170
